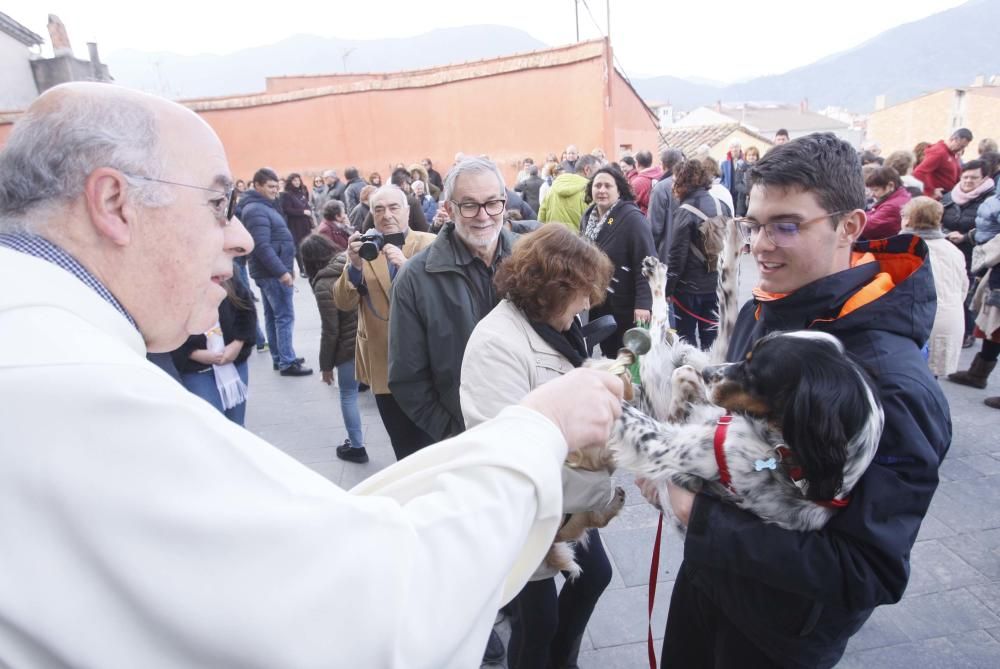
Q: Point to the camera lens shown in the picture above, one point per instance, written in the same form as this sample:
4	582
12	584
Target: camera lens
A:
368	251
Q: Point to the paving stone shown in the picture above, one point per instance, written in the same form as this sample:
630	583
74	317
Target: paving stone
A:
621	616
933	528
331	470
984	463
988	594
958	469
939	653
935	568
880	630
942	613
977	549
633	552
628	656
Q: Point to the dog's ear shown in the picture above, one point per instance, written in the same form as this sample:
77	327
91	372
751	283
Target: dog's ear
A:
815	425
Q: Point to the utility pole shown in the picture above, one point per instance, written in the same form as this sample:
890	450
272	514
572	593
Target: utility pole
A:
576	11
607	21
344	54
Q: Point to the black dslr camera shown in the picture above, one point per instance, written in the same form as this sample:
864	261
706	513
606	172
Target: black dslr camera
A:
371	245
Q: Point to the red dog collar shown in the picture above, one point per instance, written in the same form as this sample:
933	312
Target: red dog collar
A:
784	455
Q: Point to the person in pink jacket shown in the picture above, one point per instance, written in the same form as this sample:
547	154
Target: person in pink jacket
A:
885	218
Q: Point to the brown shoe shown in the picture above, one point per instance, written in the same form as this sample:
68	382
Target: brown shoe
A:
977	374
992	402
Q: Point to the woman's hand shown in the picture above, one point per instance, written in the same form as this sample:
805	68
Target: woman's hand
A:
326	376
641	316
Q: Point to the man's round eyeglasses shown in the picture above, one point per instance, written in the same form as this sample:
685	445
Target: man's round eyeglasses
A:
471	209
781	232
223	206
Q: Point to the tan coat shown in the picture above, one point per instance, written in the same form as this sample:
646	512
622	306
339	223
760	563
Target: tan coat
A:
372	349
506	359
951	284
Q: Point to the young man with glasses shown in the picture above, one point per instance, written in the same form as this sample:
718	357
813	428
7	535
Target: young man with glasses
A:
768	597
272	269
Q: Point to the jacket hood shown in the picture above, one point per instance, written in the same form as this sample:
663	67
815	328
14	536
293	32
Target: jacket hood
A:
894	293
568	185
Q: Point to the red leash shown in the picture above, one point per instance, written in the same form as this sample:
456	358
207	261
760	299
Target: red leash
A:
654	569
690	313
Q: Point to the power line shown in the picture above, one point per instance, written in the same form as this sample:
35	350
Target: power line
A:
621	69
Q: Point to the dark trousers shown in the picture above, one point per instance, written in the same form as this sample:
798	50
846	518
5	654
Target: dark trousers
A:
546	629
699	636
697	332
405	436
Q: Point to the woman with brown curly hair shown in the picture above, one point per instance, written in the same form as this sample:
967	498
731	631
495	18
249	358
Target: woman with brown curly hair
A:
531	337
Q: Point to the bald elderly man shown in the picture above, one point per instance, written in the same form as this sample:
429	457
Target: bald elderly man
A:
140	528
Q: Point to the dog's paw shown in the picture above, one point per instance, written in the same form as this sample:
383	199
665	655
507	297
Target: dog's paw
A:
687	388
650	265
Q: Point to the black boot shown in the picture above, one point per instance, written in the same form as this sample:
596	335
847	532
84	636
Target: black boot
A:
977	373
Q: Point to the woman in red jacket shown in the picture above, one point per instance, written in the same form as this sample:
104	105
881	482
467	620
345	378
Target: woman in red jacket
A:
885	218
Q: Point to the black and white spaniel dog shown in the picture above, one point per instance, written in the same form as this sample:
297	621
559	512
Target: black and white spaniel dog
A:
785	434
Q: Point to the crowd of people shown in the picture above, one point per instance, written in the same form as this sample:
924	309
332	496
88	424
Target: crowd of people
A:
453	299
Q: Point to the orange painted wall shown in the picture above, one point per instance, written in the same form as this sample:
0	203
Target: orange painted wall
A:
506	116
631	121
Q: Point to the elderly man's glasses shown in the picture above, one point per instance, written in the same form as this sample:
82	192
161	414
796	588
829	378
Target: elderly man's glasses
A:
471	209
783	232
223	206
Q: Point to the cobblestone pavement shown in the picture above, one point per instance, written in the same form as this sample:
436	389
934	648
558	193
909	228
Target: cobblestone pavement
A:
949	617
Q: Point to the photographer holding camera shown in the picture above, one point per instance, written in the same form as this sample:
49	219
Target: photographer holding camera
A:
374	259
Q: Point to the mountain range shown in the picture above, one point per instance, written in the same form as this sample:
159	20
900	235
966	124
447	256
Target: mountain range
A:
947	49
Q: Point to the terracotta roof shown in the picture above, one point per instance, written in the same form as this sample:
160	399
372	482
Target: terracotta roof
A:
689	139
19	32
434	76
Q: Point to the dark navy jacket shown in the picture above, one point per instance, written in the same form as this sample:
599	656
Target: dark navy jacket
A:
801	595
274	249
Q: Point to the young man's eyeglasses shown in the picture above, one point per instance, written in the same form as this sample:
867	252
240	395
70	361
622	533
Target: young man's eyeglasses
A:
471	209
783	232
223	206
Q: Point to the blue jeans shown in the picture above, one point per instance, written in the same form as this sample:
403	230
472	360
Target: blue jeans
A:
279	318
203	385
349	402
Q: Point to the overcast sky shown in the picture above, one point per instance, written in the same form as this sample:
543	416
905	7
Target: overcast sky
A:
724	40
